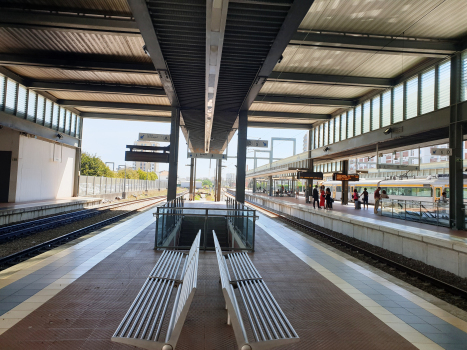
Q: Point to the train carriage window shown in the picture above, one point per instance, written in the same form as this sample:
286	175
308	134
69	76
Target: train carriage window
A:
438	192
338	189
465	192
424	192
408	191
447	192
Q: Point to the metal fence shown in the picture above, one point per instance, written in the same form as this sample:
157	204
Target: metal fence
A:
95	185
436	213
239	219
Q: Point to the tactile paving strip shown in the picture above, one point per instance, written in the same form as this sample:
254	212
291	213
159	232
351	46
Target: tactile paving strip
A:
86	313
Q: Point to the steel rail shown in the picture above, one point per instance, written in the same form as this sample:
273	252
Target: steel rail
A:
391	263
27	253
10	232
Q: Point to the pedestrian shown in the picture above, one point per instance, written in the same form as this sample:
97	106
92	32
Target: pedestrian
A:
365	198
384	195
355	197
377	199
329	199
444	198
322	197
316	197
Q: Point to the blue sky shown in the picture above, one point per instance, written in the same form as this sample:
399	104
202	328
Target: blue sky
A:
108	139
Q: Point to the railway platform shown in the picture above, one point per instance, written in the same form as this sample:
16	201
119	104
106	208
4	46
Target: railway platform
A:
14	212
75	296
433	245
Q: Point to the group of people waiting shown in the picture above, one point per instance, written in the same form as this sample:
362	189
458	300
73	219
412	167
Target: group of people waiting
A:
378	195
322	197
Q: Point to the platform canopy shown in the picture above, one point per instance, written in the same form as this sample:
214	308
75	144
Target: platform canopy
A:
286	63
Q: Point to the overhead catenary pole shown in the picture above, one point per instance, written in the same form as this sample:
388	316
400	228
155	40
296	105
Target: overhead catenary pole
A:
173	158
241	156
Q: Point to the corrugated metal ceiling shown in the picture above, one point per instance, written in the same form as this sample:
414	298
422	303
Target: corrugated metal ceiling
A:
334	62
291	108
305	89
390	17
86	96
124	111
74	45
89	76
104	7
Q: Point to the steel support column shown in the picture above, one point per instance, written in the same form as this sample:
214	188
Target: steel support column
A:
456	181
241	156
345	184
173	158
192	166
77	170
254	185
270	186
309	183
219	179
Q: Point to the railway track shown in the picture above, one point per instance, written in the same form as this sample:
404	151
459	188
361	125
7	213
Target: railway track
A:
27	253
27	228
305	226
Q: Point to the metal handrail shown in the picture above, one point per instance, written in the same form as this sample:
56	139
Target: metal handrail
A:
416	211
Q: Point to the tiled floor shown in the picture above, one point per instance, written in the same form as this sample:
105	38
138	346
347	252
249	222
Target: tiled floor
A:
332	302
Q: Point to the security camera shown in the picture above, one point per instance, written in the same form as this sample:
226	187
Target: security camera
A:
387	131
326	149
146	50
59	136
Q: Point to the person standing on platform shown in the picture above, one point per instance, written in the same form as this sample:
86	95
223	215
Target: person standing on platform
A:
355	197
377	199
322	197
316	197
328	199
365	198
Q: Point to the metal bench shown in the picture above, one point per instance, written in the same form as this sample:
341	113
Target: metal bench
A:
268	324
146	319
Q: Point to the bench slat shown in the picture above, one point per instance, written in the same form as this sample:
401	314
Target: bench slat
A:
269	325
143	322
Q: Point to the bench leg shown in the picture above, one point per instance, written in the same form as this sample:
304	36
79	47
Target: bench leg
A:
228	319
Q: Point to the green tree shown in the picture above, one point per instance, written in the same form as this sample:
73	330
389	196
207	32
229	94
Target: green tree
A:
207	182
92	165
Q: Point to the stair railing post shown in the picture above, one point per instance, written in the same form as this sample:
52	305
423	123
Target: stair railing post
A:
205	229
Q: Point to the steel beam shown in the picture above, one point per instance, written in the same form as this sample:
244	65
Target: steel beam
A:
122	105
384	45
67	22
116	116
289	115
314	101
98	88
216	17
377	83
74	64
292	21
173	158
143	19
241	156
279	125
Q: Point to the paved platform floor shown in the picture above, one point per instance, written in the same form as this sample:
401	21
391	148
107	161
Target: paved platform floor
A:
369	213
48	202
74	298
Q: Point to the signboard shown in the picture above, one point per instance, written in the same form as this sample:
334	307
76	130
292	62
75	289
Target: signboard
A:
257	143
344	177
148	157
206	156
308	175
397	167
153	137
441	151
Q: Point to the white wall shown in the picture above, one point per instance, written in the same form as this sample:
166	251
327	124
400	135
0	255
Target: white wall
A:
9	141
39	176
